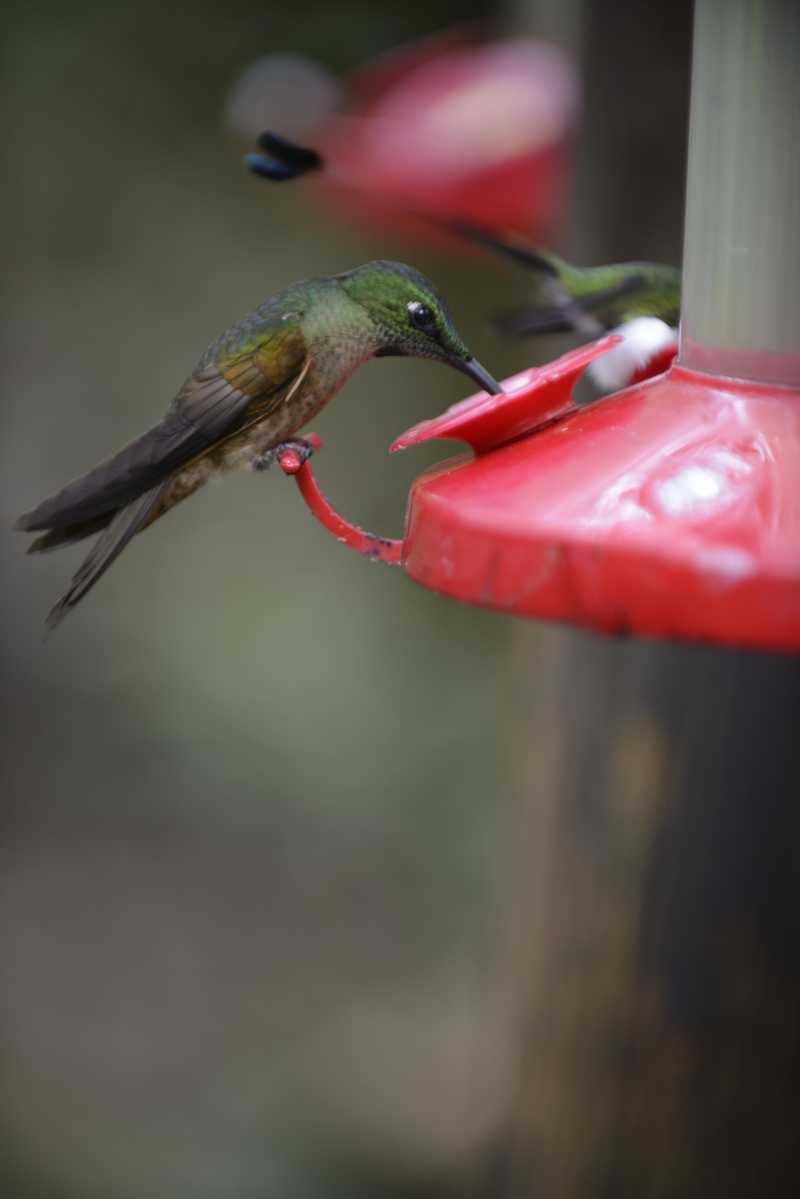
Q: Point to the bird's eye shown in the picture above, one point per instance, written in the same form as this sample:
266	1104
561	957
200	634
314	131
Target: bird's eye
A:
422	317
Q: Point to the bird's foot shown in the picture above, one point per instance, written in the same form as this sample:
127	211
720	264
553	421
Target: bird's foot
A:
290	455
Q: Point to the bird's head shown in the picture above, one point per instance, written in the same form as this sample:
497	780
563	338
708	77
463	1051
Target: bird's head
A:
410	318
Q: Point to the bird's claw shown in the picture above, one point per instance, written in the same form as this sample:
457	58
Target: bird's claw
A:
290	455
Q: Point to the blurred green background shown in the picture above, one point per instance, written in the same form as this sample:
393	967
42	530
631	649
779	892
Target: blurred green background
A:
250	877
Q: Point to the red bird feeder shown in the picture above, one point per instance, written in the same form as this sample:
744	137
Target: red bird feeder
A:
670	509
452	128
445	128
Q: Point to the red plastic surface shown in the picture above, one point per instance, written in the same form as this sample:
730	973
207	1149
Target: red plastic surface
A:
531	397
455	128
661	361
529	400
671	509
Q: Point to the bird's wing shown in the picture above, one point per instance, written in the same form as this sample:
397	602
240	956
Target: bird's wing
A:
124	525
224	395
529	319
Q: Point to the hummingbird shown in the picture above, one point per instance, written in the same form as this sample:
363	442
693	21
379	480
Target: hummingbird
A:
253	389
587	300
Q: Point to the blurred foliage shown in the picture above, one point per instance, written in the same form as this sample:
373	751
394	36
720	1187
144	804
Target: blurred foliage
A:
249	790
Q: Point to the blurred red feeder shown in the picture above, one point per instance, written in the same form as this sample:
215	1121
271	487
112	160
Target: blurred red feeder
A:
671	508
478	132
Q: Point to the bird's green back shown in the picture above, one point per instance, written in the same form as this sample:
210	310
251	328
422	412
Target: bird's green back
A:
621	291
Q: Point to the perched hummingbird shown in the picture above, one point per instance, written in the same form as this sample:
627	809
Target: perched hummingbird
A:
252	390
589	300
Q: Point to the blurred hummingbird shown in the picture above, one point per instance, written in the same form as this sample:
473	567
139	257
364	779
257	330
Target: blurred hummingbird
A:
250	393
588	300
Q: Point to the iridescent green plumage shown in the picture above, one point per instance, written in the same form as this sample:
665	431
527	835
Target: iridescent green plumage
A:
596	299
254	388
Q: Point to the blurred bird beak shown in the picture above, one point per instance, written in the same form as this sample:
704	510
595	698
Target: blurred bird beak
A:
479	375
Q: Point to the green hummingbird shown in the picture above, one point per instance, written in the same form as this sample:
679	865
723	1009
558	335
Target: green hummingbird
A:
254	388
589	300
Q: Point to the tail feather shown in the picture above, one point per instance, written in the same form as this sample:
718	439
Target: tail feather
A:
510	246
55	539
122	527
112	484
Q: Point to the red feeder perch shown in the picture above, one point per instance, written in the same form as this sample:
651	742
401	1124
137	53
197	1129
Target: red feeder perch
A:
670	509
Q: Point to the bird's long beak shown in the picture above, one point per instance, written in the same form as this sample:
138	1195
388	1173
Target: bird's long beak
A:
479	375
